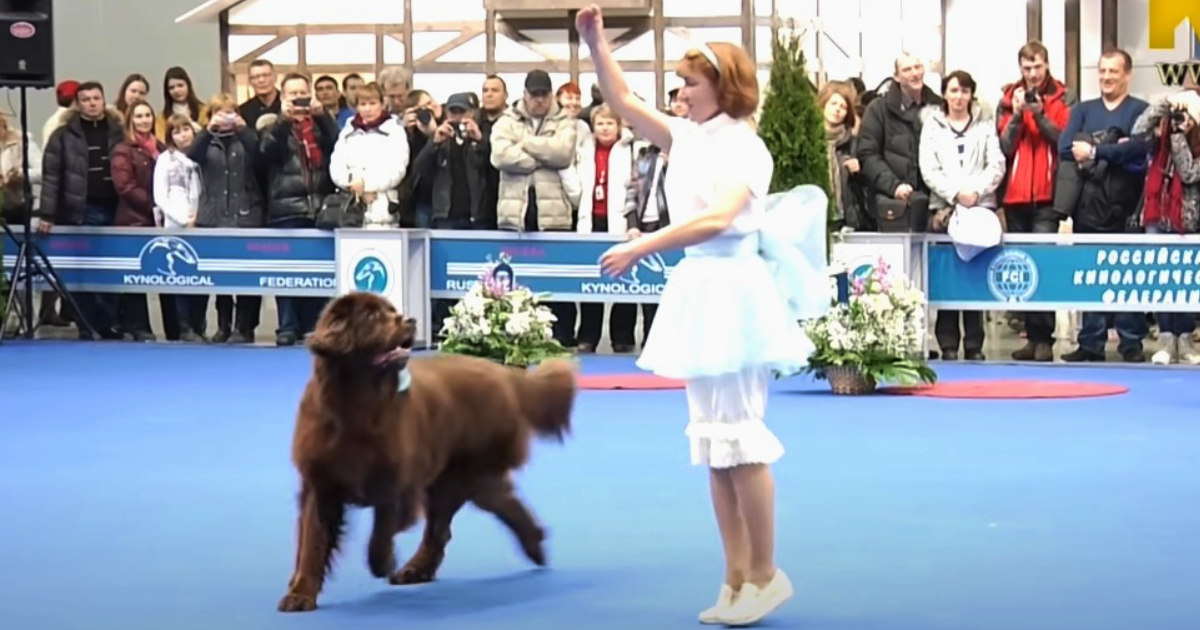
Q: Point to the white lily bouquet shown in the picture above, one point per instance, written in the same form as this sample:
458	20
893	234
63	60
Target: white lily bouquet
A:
877	335
501	321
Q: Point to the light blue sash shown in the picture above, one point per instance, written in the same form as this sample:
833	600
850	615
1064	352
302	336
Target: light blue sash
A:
792	241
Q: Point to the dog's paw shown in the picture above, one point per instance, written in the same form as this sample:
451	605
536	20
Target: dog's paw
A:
294	602
535	552
411	574
532	546
381	563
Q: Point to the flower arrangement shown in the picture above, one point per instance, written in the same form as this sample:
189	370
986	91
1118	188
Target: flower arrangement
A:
501	321
876	336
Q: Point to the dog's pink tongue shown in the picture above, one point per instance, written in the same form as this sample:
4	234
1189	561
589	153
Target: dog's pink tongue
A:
392	356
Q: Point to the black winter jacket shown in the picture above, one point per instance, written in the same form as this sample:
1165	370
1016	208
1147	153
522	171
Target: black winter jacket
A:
433	163
230	196
888	140
294	191
65	169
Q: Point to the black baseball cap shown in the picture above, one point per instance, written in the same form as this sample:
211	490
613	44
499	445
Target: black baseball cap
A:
460	101
538	81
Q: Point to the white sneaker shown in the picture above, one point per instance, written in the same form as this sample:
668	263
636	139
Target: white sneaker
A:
715	614
1168	353
754	603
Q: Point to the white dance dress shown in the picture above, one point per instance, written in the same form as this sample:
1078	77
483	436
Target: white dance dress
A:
725	322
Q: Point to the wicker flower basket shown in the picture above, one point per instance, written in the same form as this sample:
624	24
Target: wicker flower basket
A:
845	380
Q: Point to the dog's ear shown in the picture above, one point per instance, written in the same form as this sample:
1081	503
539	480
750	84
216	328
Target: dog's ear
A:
331	338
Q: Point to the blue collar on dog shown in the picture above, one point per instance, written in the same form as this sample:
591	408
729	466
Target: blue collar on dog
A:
405	380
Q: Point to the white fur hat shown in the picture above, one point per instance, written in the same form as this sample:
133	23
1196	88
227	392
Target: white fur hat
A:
974	231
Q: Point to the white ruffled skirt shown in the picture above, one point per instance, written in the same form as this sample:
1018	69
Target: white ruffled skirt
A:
722	327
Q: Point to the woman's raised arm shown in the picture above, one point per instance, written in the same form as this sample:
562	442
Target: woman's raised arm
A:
647	121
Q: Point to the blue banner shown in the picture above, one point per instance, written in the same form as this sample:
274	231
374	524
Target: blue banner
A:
1078	276
568	269
264	262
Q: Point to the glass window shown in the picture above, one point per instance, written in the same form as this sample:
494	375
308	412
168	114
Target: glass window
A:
442	10
393	50
554	44
707	8
285	54
475	51
339	49
242	45
281	12
677	42
425	42
441	85
640	48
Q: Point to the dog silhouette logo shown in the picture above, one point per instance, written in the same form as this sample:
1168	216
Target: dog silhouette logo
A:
372	274
169	256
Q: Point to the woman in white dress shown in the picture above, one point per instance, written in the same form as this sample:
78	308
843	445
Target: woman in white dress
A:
722	325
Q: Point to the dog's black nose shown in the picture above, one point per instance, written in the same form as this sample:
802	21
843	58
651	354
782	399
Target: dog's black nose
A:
411	321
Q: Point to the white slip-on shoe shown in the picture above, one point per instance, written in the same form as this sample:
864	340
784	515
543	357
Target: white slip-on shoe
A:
753	603
715	614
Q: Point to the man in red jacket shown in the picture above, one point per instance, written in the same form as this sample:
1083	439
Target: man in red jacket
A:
1030	117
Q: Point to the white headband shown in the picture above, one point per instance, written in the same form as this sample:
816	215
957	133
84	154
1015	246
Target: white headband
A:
708	53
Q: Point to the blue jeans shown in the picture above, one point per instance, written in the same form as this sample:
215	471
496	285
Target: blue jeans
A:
1178	324
297	315
98	309
425	216
1131	330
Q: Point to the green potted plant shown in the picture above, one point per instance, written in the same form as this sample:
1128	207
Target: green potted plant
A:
791	124
501	321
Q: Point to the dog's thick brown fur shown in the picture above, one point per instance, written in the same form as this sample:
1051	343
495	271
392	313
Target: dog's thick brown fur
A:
453	436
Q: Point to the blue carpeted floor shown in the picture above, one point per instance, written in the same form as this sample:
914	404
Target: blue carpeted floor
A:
149	488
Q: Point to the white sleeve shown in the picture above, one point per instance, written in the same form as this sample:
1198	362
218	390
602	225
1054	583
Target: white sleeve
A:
338	171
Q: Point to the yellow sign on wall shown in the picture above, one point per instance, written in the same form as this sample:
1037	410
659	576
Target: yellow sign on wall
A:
1166	16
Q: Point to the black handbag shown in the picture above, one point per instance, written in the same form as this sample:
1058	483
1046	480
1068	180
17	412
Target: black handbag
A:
905	216
341	210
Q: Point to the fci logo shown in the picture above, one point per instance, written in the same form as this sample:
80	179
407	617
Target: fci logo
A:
1166	15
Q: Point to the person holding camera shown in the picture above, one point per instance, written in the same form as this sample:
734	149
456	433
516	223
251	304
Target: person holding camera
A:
371	156
421	118
1029	119
1171	202
453	162
295	151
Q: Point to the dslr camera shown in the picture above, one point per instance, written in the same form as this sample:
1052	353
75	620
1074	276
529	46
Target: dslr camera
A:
1178	117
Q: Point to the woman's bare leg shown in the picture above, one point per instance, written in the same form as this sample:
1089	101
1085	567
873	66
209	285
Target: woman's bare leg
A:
732	526
754	488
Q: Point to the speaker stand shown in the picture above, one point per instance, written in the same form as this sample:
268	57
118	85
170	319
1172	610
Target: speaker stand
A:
31	261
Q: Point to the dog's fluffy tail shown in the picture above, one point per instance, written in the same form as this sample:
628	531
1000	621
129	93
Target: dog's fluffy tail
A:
549	398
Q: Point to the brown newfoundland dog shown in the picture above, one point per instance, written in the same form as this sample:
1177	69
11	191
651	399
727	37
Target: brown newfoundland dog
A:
376	429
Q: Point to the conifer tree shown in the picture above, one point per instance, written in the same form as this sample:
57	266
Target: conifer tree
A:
791	124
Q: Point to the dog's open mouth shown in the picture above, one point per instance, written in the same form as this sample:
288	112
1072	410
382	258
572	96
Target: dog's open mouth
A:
396	357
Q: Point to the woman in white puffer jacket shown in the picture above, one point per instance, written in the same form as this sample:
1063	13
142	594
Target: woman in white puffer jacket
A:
371	156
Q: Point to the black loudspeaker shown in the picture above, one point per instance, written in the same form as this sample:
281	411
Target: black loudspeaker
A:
27	44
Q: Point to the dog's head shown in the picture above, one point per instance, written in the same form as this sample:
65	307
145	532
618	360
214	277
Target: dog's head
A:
364	328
